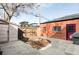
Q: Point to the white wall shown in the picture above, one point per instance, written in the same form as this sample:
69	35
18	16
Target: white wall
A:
38	31
3	32
13	34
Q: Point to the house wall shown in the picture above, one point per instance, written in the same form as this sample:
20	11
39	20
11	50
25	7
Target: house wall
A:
38	31
13	34
61	34
3	32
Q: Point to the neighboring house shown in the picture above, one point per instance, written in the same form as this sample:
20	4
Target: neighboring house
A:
30	29
61	28
34	25
8	33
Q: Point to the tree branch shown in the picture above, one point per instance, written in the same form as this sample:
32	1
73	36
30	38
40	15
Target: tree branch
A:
4	9
14	10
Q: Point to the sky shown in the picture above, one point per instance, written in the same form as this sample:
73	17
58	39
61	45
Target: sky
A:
50	11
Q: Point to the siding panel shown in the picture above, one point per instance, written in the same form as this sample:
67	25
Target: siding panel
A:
3	32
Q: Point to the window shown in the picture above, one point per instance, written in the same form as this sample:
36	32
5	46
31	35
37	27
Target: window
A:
57	28
70	29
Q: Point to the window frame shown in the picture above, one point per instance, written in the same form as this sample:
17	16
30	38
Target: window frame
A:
57	28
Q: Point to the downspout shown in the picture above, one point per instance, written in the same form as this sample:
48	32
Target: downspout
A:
8	30
8	33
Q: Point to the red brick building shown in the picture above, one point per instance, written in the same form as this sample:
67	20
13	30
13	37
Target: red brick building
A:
61	28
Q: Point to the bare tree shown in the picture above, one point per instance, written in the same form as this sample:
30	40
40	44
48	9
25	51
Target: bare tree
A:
14	9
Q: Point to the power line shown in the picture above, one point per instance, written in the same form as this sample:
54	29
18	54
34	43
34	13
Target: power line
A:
39	16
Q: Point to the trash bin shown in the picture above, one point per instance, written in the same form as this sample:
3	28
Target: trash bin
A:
75	38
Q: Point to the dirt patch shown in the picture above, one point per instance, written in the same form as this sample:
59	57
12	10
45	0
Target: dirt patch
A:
39	43
36	42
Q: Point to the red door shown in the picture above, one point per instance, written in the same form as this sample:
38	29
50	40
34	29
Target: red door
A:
70	29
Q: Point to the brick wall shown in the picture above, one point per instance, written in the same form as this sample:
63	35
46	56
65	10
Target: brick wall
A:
61	34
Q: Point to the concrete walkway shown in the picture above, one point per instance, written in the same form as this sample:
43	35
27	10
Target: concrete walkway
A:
18	48
61	47
58	47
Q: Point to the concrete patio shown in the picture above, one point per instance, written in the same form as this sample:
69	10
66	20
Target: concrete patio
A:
18	48
58	47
